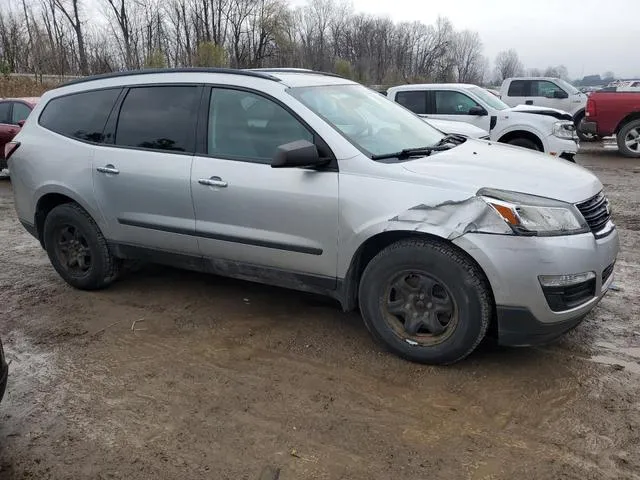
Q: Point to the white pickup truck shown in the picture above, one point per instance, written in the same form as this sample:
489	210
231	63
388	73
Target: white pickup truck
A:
538	128
547	92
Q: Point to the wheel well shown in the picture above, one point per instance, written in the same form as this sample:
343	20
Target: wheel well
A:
374	245
47	203
629	118
578	116
522	134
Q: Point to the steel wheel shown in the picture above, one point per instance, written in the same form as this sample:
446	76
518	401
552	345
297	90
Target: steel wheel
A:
72	250
632	140
419	308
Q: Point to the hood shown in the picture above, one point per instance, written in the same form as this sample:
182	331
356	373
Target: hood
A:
475	164
551	112
460	128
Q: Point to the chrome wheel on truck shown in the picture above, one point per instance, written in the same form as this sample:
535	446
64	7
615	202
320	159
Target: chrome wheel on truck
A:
629	139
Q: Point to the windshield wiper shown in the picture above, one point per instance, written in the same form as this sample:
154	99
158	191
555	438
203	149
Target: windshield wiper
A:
411	152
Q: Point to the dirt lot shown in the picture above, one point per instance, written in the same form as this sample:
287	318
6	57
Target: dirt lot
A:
219	379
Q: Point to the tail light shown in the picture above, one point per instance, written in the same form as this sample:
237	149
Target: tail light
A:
591	108
10	148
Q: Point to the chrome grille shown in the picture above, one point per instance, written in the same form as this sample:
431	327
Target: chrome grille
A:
596	211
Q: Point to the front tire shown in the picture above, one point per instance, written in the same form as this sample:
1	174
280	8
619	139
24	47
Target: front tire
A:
524	143
77	249
629	139
426	301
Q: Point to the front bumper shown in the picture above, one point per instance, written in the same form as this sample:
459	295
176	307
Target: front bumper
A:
514	263
561	147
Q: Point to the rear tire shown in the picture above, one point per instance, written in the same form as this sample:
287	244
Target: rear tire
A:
425	301
77	249
629	139
524	143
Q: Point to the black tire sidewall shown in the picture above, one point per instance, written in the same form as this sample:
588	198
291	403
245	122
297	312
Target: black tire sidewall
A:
468	299
524	143
67	214
620	139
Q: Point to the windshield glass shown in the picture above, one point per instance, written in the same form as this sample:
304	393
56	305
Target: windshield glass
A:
570	89
370	121
488	98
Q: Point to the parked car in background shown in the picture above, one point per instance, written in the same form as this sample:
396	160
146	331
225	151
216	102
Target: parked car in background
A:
616	113
456	128
314	182
13	113
4	372
537	128
547	92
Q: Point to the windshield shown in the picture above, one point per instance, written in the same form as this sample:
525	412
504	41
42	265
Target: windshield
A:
489	98
570	89
370	121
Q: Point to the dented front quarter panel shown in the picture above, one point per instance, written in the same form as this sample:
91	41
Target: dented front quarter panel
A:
451	219
394	199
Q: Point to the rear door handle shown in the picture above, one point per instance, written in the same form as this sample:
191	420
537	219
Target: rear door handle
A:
213	182
529	102
108	169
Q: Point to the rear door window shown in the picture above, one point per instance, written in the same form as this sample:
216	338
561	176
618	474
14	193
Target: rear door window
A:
5	107
415	101
159	118
20	112
518	88
80	115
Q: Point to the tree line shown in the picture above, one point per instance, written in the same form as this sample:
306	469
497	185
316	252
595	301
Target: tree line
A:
80	37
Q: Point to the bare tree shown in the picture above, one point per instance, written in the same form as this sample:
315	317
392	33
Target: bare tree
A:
72	13
508	64
558	72
121	12
467	54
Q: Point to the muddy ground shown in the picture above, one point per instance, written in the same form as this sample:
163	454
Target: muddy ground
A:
177	375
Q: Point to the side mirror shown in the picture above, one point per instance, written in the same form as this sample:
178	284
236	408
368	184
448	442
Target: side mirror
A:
300	154
477	110
560	94
21	123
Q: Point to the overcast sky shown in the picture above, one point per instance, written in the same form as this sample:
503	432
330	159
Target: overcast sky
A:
587	36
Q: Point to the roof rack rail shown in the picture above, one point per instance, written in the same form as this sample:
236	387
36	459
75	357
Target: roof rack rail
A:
293	70
150	71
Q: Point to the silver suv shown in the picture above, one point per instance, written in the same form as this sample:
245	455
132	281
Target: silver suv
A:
313	182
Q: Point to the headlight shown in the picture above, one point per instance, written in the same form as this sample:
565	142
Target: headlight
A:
532	215
564	130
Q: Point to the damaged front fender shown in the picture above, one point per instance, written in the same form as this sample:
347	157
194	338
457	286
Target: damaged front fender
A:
451	219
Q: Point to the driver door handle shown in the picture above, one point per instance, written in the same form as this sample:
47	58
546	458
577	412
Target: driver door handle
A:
213	182
108	169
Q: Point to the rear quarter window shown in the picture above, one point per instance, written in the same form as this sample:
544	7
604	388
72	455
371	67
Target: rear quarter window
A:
80	115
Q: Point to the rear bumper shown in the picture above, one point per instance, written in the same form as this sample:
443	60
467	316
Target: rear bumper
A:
517	327
589	127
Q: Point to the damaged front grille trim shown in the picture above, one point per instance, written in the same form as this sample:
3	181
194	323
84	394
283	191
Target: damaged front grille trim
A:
597	213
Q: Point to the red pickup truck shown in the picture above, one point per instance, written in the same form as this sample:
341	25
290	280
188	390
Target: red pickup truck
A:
618	113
